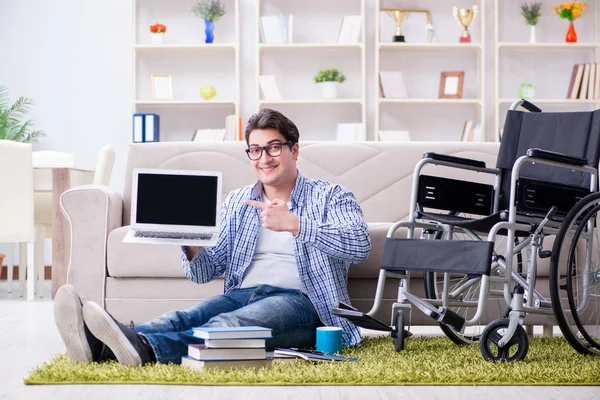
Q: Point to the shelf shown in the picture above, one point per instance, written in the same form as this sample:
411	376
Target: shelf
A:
553	101
430	46
184	102
205	46
312	101
546	46
296	46
475	102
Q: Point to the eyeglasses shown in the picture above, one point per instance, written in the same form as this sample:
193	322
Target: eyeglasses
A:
273	149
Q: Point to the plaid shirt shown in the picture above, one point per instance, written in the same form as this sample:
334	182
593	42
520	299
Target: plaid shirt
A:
333	234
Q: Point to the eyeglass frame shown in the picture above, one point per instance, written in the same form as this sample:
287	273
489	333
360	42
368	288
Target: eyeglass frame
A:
264	148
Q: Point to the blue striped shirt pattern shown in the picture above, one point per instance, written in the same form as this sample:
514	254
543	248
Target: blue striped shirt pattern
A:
332	235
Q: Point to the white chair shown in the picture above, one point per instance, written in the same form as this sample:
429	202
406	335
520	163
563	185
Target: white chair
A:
16	210
43	204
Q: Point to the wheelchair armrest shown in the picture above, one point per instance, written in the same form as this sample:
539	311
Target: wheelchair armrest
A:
559	157
454	159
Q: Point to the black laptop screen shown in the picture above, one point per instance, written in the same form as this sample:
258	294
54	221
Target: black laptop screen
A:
177	199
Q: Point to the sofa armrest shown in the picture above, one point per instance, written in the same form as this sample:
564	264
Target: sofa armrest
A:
92	211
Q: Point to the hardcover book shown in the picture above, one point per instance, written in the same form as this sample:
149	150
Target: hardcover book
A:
201	352
232	332
192	363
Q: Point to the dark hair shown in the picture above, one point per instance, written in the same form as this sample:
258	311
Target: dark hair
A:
271	119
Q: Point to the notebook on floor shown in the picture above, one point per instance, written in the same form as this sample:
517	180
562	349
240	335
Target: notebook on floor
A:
179	207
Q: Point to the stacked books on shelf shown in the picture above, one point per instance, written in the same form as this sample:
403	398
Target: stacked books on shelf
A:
585	82
229	347
274	29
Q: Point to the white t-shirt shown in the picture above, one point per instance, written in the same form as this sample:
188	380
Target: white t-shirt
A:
274	260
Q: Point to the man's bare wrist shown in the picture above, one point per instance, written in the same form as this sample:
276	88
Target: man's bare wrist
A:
191	251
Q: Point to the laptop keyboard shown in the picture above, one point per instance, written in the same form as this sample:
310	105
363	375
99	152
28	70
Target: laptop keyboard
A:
173	235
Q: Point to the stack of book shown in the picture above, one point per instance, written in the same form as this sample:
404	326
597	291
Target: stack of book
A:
585	82
229	347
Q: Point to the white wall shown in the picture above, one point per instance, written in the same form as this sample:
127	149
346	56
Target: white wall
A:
74	59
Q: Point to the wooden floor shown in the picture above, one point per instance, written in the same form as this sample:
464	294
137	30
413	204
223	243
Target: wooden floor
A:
28	337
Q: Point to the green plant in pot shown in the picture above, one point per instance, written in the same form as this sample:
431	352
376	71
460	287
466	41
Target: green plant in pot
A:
12	124
329	80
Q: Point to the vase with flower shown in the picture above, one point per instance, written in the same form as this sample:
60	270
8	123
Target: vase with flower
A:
531	12
211	11
157	30
570	11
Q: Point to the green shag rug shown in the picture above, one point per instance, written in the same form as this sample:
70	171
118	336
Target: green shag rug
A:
425	361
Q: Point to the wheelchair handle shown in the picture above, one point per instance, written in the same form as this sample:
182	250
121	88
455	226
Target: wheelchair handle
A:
529	106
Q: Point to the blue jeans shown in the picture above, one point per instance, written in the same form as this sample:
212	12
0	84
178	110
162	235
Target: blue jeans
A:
288	312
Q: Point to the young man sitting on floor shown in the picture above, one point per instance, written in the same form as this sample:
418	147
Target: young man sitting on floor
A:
285	246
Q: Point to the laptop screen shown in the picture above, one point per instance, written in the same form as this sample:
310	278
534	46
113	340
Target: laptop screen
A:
177	199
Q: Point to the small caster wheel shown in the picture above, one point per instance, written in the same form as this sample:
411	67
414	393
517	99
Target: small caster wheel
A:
399	334
516	348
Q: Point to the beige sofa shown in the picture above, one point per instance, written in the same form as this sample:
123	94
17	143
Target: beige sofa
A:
139	282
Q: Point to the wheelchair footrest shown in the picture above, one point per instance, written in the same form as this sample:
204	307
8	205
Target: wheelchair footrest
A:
440	314
361	319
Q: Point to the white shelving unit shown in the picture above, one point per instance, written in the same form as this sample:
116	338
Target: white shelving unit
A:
517	61
421	63
191	63
316	24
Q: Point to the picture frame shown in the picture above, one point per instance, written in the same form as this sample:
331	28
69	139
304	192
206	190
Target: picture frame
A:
162	88
451	84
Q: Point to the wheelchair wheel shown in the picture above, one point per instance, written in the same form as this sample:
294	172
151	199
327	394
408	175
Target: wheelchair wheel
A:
515	350
399	332
467	289
575	276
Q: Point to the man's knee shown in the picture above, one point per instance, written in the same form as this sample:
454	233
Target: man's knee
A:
224	319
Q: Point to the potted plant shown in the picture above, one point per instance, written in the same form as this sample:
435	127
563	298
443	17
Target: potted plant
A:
329	80
570	12
531	12
211	11
12	126
157	30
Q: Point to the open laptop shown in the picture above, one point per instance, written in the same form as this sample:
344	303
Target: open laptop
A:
179	207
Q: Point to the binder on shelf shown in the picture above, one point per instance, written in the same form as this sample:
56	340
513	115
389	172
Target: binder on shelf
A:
138	128
146	128
151	128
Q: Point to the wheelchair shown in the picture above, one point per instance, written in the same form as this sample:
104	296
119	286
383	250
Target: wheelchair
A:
478	244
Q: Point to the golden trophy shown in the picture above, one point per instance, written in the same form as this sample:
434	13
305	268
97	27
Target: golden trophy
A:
400	15
464	17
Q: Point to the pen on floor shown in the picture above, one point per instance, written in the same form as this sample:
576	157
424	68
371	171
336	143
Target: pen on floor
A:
306	350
